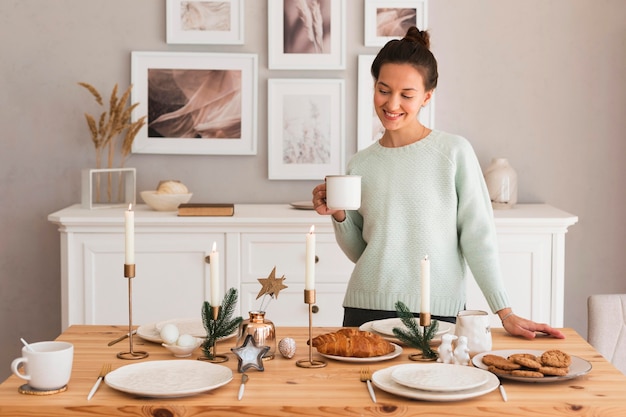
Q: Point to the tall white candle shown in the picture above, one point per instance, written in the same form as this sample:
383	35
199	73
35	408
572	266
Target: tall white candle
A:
309	277
425	285
214	260
129	229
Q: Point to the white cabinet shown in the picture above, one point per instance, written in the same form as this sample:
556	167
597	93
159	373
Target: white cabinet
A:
172	277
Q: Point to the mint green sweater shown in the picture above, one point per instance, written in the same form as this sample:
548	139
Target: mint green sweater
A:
427	198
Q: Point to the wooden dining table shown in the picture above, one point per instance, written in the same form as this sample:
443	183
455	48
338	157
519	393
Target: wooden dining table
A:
285	389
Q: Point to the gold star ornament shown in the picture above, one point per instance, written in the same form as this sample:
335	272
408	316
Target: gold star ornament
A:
271	285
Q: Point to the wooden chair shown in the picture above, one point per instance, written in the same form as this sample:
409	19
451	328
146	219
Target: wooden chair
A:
606	327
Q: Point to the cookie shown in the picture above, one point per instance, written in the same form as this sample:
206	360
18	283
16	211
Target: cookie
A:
527	362
499	362
522	355
526	373
556	358
553	371
498	371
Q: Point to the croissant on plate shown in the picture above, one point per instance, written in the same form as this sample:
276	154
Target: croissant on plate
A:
353	343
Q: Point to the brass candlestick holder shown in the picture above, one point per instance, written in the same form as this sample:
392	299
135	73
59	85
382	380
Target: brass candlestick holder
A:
309	298
215	312
129	273
425	322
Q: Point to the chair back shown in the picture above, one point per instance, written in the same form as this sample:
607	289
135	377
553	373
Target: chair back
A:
606	327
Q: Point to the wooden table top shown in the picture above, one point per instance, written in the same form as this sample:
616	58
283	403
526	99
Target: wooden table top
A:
284	389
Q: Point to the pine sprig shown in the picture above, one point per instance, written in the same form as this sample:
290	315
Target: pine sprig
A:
224	325
414	337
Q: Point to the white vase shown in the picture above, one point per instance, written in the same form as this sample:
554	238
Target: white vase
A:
501	181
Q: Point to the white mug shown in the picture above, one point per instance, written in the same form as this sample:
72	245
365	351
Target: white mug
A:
343	192
47	367
474	324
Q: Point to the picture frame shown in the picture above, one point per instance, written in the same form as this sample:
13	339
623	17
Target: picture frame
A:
205	22
197	103
370	129
389	19
306	128
289	43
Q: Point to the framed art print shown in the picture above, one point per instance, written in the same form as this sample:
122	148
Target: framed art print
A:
197	103
204	21
306	34
390	19
306	128
370	129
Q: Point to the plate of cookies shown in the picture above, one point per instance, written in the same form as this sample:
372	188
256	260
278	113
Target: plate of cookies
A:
532	365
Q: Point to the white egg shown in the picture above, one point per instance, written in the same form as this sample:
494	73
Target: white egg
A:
169	333
186	340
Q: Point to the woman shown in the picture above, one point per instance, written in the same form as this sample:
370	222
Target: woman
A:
423	193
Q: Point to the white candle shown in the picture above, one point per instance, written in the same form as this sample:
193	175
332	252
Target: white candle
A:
309	277
214	260
425	285
129	228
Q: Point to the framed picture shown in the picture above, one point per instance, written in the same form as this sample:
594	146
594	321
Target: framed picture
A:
306	34
204	21
196	103
370	129
390	19
306	128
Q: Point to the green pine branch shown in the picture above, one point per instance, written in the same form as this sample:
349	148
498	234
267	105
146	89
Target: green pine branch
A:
414	337
224	326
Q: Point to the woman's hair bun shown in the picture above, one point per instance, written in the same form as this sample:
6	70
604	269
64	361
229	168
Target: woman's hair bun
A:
418	36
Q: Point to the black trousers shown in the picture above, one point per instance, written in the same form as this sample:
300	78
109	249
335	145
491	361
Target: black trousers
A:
355	317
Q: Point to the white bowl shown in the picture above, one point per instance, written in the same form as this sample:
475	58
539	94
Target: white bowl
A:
164	202
183	351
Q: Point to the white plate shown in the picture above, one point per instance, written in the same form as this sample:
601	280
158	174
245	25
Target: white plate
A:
386	326
382	379
578	367
368	327
395	353
302	205
168	379
439	377
194	327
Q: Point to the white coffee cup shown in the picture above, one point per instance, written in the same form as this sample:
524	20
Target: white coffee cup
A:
343	192
475	325
47	366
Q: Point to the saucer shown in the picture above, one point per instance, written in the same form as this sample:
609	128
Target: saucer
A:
28	390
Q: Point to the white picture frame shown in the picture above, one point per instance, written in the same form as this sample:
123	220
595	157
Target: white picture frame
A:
306	128
197	103
389	19
205	22
370	129
296	51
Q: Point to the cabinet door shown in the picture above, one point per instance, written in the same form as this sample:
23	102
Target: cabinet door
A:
526	262
261	252
172	278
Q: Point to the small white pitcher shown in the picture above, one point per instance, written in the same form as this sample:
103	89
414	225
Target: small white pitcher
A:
474	324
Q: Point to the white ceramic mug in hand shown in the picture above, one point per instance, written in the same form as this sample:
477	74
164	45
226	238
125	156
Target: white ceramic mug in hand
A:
474	324
47	367
343	192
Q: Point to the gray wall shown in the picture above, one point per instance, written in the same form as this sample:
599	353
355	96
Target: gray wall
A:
540	82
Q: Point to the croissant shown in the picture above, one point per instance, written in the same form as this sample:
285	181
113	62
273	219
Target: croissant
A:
352	342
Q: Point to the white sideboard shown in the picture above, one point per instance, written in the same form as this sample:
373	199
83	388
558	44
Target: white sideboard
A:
172	276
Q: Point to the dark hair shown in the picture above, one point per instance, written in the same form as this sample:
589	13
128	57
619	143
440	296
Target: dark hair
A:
413	49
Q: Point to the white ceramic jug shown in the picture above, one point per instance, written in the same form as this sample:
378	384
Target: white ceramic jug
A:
474	324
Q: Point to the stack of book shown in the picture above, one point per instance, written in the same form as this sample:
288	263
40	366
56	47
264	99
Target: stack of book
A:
206	209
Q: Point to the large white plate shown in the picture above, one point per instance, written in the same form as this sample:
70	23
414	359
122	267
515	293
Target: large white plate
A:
395	353
578	367
386	326
439	377
165	379
383	380
369	328
194	327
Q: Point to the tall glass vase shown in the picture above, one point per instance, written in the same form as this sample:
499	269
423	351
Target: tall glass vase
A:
262	331
501	181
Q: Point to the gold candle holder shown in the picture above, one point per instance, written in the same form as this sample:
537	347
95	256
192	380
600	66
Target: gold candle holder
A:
425	322
309	298
215	312
129	273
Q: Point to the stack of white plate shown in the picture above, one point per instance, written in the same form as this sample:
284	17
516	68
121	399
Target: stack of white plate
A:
385	327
